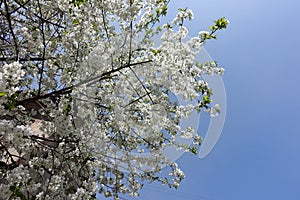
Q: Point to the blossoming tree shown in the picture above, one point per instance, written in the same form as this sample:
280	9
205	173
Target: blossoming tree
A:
85	92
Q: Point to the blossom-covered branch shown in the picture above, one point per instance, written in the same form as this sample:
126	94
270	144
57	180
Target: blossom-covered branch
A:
85	96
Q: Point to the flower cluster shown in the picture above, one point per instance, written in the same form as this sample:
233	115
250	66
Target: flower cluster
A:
182	15
10	76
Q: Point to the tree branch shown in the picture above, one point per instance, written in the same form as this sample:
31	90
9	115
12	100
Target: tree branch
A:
6	59
8	17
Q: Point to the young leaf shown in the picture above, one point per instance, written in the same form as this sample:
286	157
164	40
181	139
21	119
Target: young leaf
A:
3	93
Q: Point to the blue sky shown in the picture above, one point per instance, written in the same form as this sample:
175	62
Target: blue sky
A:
258	154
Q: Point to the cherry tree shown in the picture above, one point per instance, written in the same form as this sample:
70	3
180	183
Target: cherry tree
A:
85	104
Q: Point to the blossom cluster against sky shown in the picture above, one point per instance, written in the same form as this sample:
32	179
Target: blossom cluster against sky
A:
257	156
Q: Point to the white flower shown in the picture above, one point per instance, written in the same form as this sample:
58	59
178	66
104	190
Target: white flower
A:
203	34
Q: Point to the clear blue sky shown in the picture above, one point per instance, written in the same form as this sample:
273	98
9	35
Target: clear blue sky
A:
258	154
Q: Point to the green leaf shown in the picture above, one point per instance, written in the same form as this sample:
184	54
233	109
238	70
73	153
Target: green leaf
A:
214	37
207	37
193	150
3	93
68	69
221	23
182	9
164	10
78	2
206	99
213	28
155	52
76	21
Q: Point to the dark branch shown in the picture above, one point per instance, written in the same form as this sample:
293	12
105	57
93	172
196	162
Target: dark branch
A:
6	59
